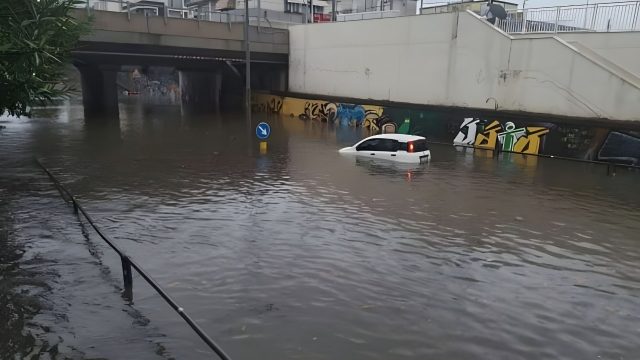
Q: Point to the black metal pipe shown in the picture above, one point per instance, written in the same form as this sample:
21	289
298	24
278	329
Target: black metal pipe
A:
127	263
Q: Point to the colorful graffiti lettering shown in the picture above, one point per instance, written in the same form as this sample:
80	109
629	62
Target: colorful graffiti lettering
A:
319	111
379	122
487	139
338	113
352	115
324	111
344	114
523	140
530	143
467	133
510	135
272	105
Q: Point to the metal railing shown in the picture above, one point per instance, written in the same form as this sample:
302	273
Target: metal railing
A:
368	15
607	17
128	264
162	10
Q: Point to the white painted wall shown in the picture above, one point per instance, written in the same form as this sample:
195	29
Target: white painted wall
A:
455	59
622	48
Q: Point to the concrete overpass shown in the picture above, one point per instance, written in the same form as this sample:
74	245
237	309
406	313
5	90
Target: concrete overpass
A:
209	55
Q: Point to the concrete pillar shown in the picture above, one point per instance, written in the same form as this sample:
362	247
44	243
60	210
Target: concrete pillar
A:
201	91
232	95
99	90
281	81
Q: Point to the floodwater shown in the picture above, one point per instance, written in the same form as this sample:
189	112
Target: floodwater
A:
300	253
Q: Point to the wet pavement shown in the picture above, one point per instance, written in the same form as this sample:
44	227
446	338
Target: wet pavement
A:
304	254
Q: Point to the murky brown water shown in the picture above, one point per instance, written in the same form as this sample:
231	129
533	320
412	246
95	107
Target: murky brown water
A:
303	254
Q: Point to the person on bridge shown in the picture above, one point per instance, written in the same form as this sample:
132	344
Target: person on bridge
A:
485	11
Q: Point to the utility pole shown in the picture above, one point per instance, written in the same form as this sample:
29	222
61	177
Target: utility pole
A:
247	57
333	10
312	13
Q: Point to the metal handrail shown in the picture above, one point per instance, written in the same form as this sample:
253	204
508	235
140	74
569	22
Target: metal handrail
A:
128	263
369	15
602	17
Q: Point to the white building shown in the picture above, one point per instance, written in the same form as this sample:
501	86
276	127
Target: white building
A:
401	7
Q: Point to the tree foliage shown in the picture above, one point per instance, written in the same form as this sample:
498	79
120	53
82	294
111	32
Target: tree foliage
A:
36	39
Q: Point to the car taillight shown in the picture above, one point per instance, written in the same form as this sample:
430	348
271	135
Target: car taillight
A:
410	147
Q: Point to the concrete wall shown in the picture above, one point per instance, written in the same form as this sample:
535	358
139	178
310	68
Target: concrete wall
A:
622	48
456	60
113	27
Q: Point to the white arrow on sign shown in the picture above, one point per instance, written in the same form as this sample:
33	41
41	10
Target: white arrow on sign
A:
264	131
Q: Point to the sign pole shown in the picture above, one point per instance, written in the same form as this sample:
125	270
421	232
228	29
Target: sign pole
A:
247	55
263	130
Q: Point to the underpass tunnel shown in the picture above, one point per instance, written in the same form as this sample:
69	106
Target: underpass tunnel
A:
197	85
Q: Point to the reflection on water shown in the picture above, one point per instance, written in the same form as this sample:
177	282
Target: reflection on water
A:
300	253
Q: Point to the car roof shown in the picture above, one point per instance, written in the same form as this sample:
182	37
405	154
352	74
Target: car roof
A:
398	137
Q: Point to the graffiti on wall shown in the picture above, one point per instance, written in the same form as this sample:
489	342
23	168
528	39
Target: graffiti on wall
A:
271	105
343	114
508	137
518	135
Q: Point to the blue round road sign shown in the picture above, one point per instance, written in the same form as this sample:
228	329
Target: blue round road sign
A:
263	130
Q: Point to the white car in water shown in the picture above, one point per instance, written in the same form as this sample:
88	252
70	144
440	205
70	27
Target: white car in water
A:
393	147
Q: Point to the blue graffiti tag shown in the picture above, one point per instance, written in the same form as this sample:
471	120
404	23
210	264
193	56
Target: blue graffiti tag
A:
349	114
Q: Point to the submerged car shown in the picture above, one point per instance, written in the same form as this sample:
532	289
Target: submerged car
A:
393	147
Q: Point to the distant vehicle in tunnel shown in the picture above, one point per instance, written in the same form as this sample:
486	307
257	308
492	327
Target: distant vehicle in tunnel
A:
392	147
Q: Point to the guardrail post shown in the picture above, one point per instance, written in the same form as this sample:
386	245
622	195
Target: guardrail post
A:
595	16
88	8
557	19
128	278
128	10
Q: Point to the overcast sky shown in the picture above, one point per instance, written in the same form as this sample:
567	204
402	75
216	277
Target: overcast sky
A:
542	3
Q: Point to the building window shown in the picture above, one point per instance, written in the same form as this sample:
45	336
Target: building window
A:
293	7
301	8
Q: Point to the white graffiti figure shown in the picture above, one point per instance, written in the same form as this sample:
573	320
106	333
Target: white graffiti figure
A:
469	137
510	136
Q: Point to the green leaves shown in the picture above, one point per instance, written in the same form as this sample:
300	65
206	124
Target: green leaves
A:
36	39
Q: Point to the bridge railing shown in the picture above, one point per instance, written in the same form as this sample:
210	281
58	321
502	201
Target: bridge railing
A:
607	17
159	9
368	15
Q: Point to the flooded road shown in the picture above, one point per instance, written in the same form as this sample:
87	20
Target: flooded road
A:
304	254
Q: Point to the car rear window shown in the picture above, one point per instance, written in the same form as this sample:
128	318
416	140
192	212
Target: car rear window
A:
418	146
